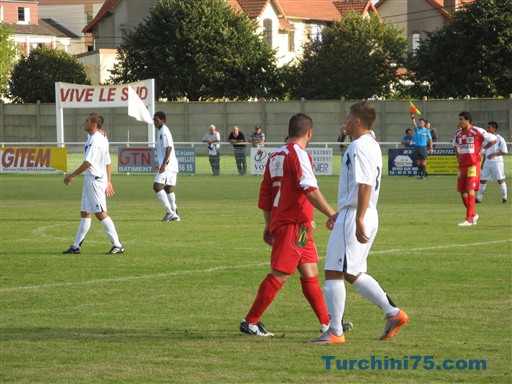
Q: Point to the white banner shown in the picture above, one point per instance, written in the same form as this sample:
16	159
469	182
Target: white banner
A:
100	96
322	160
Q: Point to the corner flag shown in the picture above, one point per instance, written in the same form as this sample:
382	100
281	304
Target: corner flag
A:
136	107
413	109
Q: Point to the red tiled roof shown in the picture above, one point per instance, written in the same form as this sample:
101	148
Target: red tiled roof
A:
105	8
323	10
253	8
235	5
359	6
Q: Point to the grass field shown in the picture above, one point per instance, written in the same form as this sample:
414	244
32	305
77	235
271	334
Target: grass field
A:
168	310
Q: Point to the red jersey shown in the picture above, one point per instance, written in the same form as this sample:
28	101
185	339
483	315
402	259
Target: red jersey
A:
288	178
470	143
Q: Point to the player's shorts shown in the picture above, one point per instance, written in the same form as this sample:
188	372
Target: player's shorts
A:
344	252
293	245
469	178
493	170
420	153
94	197
166	178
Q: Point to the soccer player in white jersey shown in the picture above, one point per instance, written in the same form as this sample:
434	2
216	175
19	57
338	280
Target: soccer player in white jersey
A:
97	185
166	169
493	167
355	227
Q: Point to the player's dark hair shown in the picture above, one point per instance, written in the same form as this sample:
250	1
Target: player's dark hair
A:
160	115
299	125
364	111
97	119
493	124
466	115
408	130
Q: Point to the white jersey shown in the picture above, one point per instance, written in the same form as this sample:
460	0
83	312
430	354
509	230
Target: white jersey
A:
500	146
361	164
96	153
163	141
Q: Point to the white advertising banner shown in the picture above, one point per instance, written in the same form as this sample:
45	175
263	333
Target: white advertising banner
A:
322	160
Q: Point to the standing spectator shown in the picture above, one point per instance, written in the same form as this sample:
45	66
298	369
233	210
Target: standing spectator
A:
408	139
288	193
433	133
422	139
344	139
257	138
493	167
469	144
354	228
237	138
96	187
166	169
212	138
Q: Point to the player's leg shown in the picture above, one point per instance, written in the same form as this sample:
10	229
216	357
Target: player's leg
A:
158	186
503	188
313	293
85	218
481	191
169	190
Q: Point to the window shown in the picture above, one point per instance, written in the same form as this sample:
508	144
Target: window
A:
267	31
1	13
23	15
291	41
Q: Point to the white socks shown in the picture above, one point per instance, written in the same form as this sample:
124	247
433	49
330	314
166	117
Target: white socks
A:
171	197
370	288
335	296
503	188
162	196
110	229
83	228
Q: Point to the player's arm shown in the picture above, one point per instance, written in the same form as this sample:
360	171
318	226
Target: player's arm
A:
413	120
168	152
316	198
363	201
81	169
268	237
110	189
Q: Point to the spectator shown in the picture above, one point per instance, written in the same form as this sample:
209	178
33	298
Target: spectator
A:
344	139
257	138
237	138
408	139
433	133
212	138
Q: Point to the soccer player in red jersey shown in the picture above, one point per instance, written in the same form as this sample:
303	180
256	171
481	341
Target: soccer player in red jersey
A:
468	141
288	193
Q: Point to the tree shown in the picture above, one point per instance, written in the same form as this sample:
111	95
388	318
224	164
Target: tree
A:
356	58
34	76
7	56
198	49
470	56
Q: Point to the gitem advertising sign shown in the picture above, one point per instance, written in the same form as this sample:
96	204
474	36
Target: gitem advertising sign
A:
322	160
401	162
33	159
144	160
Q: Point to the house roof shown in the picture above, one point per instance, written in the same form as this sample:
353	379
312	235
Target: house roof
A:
359	6
323	10
108	6
45	27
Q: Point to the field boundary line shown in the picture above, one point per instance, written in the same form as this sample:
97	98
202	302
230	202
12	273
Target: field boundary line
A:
221	268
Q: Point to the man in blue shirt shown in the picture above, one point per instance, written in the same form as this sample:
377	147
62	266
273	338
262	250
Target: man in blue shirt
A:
408	139
422	140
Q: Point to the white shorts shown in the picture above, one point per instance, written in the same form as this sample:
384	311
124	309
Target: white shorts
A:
166	178
344	252
94	197
493	170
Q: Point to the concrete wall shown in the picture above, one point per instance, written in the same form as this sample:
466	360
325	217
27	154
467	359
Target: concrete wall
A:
189	121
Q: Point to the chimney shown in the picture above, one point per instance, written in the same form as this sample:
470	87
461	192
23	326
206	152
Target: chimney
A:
449	5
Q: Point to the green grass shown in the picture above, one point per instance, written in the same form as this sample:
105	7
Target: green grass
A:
168	310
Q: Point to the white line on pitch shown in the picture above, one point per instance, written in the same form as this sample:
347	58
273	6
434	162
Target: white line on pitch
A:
222	268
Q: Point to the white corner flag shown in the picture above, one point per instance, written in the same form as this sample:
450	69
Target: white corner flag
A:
136	107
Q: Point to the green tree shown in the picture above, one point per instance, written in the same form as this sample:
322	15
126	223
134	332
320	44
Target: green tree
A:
470	56
7	56
198	49
34	76
356	58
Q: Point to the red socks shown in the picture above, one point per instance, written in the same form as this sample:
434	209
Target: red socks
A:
266	294
470	207
312	291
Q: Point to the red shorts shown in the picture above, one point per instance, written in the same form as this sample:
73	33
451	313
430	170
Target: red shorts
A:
469	178
293	245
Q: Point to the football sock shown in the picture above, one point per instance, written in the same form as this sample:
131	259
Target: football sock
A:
266	294
371	289
481	191
313	293
110	229
465	200
470	209
335	297
83	228
503	188
162	196
171	197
